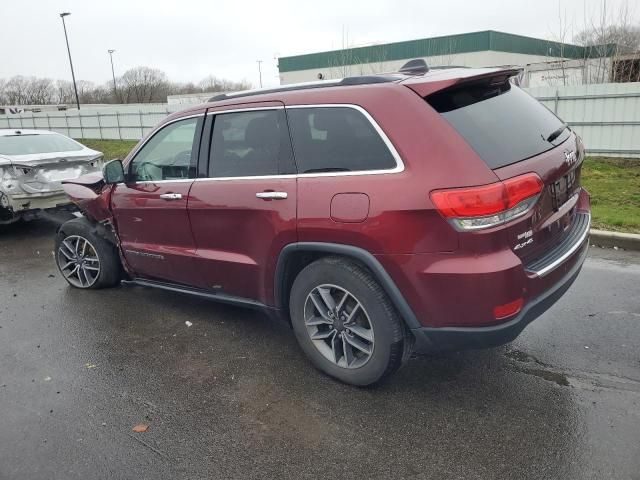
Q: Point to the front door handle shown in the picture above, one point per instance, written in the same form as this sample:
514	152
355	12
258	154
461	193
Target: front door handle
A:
171	196
272	195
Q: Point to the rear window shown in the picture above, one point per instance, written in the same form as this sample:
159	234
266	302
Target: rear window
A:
34	144
502	123
336	139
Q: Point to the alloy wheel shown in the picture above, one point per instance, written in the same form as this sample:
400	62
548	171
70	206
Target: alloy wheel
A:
78	261
339	326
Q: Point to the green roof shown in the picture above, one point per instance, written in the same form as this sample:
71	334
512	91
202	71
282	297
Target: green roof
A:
436	46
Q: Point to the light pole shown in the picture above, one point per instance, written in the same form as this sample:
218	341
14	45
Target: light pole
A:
260	71
73	75
113	73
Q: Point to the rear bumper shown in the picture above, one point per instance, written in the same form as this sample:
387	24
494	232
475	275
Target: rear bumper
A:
36	201
438	339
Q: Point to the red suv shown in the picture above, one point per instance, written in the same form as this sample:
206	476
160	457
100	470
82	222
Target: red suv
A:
380	215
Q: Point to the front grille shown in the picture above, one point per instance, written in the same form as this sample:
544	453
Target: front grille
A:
569	244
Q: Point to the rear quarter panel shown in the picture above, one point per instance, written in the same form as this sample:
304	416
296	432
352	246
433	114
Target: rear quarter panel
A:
401	219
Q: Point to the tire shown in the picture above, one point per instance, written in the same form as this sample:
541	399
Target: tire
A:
382	340
79	244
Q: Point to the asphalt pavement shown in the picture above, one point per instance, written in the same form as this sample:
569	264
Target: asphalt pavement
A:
232	396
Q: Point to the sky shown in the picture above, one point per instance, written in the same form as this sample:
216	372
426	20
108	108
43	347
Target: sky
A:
190	39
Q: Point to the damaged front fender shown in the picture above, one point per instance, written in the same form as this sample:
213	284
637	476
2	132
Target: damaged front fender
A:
91	195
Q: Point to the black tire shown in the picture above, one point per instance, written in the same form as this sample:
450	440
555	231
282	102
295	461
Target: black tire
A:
110	267
392	340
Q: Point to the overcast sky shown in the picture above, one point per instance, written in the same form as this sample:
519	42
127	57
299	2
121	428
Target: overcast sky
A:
190	39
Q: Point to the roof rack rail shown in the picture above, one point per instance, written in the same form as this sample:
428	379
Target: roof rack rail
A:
347	81
446	67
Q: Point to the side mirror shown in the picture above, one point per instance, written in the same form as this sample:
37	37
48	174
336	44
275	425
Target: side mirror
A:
113	172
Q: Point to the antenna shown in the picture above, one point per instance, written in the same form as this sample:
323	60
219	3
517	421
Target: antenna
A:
417	66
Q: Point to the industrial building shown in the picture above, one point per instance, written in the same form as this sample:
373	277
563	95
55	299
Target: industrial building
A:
566	63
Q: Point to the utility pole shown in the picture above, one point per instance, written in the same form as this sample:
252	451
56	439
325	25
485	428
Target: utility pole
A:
113	73
73	75
260	71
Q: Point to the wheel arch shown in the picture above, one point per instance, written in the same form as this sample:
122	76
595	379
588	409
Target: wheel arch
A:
295	256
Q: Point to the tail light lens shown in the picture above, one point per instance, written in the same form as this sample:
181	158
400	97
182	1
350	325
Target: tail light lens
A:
508	309
486	206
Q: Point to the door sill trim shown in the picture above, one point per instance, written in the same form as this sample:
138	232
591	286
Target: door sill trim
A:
218	297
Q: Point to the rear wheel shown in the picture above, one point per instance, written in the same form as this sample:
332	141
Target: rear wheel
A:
85	259
345	322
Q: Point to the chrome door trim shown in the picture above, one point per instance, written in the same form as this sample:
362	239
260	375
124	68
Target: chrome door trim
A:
171	196
272	195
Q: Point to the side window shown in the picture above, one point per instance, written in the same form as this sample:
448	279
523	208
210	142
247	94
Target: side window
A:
336	139
251	143
168	154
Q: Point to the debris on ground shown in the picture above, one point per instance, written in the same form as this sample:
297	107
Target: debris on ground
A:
188	323
90	365
141	427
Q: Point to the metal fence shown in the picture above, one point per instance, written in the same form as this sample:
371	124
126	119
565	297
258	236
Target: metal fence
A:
119	122
607	116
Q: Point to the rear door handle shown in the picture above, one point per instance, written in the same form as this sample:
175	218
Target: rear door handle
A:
171	196
272	195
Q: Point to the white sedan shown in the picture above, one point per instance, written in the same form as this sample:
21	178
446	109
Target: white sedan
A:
33	163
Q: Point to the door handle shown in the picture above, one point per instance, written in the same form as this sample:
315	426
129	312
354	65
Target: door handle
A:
272	195
171	196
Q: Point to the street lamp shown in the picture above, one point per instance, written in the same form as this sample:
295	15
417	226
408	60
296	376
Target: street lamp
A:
115	92
73	76
260	71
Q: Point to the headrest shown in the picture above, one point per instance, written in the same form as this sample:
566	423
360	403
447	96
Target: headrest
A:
262	132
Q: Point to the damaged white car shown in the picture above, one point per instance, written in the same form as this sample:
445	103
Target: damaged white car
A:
33	163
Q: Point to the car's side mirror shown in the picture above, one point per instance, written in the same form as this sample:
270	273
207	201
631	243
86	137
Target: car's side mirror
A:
113	172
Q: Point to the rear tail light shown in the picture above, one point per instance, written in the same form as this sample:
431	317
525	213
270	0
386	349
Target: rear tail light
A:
474	208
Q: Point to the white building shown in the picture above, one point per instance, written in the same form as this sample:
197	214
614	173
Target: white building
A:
478	49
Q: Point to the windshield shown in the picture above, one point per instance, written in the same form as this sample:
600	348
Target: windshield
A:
502	123
34	144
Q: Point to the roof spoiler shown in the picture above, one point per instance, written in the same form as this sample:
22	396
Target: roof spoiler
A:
425	87
417	66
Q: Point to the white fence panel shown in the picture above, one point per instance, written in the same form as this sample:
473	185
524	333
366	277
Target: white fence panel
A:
607	116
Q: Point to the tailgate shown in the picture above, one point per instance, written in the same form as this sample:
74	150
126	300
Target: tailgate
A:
554	216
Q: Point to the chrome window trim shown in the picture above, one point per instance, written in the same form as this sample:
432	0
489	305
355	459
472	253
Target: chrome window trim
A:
394	153
230	109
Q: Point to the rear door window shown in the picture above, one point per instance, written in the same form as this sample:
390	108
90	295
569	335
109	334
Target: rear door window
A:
502	123
251	143
336	139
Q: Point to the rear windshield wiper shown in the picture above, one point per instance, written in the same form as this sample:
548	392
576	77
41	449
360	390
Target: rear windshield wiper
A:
556	133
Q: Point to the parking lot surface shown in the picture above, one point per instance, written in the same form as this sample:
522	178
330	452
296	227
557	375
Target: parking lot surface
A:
232	396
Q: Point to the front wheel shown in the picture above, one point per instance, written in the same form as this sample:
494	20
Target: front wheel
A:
85	259
345	323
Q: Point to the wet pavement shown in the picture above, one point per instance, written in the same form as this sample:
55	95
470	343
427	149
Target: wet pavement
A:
233	397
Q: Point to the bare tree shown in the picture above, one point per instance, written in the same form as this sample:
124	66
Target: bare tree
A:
138	85
212	83
609	38
143	85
